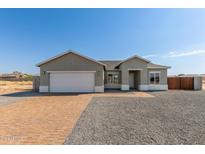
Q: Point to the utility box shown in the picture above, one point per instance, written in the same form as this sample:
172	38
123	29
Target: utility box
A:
36	83
198	83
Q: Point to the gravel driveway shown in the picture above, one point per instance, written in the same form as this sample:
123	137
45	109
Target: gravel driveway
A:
172	117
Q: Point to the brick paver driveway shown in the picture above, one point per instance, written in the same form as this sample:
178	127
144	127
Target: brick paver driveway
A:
44	119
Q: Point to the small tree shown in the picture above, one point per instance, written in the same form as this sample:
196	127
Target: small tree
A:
28	77
181	74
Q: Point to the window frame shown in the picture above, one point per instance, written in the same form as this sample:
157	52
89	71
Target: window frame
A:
154	72
113	78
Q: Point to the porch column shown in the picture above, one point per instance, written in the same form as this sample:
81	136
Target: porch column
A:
125	80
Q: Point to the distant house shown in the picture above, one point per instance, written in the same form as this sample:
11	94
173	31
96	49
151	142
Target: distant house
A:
191	75
12	76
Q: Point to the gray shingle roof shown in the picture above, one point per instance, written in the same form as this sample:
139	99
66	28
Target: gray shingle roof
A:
110	64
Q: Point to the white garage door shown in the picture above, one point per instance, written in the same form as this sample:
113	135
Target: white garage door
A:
72	82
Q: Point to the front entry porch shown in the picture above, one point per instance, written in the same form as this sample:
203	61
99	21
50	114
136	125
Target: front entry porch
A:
134	79
131	79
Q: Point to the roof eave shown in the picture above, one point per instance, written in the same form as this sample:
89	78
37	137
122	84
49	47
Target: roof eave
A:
52	58
64	53
166	67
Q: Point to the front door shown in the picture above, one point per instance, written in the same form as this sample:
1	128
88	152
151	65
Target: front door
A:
131	80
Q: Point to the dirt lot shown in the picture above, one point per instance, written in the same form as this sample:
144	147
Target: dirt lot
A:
14	86
41	119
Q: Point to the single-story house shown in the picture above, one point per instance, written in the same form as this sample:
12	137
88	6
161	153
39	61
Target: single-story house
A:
73	72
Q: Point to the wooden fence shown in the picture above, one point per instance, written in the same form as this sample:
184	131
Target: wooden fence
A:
185	83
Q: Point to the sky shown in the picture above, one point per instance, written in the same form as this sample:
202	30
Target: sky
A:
173	37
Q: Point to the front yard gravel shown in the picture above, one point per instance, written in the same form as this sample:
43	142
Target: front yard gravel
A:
172	117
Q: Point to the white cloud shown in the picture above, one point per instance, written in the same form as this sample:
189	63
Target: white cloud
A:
182	54
149	56
174	54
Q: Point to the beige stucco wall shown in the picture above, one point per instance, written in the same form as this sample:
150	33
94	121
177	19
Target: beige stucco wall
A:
163	75
137	63
134	63
71	62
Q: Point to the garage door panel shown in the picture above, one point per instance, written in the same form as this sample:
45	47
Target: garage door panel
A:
72	82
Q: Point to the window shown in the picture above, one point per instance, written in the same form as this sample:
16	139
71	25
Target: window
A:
112	78
151	78
154	77
115	79
109	79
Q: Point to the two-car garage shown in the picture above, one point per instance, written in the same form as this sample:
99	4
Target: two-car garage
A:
71	72
72	81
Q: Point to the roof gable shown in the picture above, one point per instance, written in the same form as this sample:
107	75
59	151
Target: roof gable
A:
110	64
135	56
65	53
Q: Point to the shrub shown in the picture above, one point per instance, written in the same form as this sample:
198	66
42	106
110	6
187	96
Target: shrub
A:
28	77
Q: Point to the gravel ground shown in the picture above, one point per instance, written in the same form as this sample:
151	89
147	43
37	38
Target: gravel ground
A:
172	117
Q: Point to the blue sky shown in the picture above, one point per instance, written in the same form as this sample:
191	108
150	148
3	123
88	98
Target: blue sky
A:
174	37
